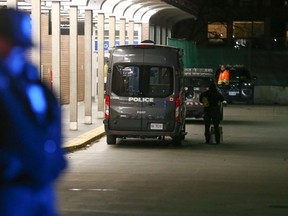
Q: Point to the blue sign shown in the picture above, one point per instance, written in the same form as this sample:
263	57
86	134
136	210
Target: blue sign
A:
106	44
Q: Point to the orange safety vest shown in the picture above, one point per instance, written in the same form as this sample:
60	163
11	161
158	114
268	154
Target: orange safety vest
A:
223	77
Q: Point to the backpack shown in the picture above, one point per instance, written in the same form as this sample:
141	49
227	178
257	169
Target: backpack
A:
35	118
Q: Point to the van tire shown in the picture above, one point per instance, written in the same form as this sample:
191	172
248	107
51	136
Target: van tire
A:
111	140
183	132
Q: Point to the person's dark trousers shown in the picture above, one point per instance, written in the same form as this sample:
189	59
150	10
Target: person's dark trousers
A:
212	114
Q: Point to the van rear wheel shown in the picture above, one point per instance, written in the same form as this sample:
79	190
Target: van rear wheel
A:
177	141
111	140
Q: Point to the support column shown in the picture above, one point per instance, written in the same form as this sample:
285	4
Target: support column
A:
88	66
158	35
36	34
164	36
169	33
152	33
145	32
12	4
122	33
112	29
56	46
101	65
131	32
73	68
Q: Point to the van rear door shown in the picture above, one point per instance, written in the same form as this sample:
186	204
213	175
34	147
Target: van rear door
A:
142	97
159	113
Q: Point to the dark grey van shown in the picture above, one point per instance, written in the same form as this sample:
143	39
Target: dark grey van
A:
144	96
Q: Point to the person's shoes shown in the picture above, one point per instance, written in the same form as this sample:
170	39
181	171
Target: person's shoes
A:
207	142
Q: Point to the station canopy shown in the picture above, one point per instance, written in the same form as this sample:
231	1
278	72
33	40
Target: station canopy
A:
137	10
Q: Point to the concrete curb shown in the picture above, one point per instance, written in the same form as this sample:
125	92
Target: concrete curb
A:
84	139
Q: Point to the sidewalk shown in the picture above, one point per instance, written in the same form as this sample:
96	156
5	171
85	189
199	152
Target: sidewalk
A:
86	133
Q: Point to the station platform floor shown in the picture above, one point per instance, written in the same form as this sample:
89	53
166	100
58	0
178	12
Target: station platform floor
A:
86	133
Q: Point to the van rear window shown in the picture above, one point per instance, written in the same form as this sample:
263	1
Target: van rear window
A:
146	81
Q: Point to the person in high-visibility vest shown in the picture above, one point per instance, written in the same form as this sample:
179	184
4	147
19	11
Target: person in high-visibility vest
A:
224	76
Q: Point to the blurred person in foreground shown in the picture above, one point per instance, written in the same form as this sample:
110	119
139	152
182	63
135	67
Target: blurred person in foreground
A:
211	100
31	157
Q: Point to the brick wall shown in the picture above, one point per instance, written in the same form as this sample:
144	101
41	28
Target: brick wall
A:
46	61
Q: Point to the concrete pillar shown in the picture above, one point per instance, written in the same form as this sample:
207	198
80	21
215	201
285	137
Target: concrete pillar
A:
73	68
140	33
158	35
36	34
122	32
152	33
56	55
164	36
101	65
131	32
88	66
112	29
169	33
145	32
12	4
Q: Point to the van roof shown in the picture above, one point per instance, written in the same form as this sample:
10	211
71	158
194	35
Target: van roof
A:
145	46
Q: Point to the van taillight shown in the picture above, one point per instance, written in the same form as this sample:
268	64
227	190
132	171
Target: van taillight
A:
177	108
107	107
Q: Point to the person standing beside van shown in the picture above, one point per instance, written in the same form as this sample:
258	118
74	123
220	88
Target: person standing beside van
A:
211	100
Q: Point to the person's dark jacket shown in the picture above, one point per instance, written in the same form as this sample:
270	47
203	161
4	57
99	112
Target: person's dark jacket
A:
211	97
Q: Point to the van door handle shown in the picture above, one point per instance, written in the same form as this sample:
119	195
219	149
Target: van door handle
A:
151	103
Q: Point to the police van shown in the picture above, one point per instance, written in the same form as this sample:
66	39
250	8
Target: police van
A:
144	96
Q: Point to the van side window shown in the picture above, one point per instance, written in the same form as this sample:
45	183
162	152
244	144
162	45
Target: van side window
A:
160	82
125	80
146	81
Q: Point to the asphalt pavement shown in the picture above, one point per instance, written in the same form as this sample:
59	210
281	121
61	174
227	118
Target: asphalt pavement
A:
86	133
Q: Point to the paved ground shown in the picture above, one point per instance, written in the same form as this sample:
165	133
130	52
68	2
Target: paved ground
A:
86	133
245	176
